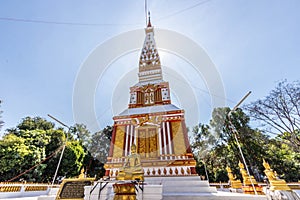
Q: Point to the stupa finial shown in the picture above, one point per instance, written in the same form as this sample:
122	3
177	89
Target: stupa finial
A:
149	21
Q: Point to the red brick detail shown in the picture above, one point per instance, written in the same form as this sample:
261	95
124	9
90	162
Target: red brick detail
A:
162	141
111	150
193	170
167	138
171	135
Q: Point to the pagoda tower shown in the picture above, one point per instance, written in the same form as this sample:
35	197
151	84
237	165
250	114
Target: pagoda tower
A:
152	123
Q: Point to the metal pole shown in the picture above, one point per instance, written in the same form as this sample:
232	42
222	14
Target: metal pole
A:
235	132
62	152
146	12
61	155
206	171
244	161
239	103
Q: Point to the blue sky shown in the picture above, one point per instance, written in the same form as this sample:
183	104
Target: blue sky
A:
253	44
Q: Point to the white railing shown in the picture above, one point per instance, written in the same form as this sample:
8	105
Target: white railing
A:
161	157
160	171
18	189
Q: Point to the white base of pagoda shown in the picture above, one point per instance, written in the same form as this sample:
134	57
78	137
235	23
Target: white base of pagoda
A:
150	192
164	171
213	196
181	184
159	188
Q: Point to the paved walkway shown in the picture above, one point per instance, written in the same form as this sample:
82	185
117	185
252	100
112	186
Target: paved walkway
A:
22	198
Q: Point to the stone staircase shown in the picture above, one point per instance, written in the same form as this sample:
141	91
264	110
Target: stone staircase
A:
173	188
181	184
193	188
219	196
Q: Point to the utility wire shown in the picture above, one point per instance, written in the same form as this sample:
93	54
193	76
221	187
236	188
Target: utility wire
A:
183	10
200	89
99	24
64	23
28	170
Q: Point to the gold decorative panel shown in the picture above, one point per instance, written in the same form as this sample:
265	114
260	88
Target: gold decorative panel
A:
153	147
147	142
141	143
178	138
119	141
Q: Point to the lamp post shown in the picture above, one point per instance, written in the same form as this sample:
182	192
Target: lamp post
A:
205	171
62	152
235	132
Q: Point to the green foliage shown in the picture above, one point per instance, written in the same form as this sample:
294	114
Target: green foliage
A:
1	122
215	145
221	175
80	132
72	161
56	141
13	154
96	147
36	123
35	140
100	144
284	160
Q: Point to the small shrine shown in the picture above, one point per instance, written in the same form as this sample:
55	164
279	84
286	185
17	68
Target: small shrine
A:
235	183
250	185
273	180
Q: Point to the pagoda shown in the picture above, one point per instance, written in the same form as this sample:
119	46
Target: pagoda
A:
152	123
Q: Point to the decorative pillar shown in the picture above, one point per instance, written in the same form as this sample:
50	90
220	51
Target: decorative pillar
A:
164	135
169	138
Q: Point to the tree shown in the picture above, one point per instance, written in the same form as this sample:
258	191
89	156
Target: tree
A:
250	140
279	112
34	146
100	144
1	122
58	137
14	154
40	139
216	146
80	132
35	123
36	143
283	159
92	164
72	161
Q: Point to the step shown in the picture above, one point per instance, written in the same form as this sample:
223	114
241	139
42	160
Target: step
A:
210	196
188	189
186	183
